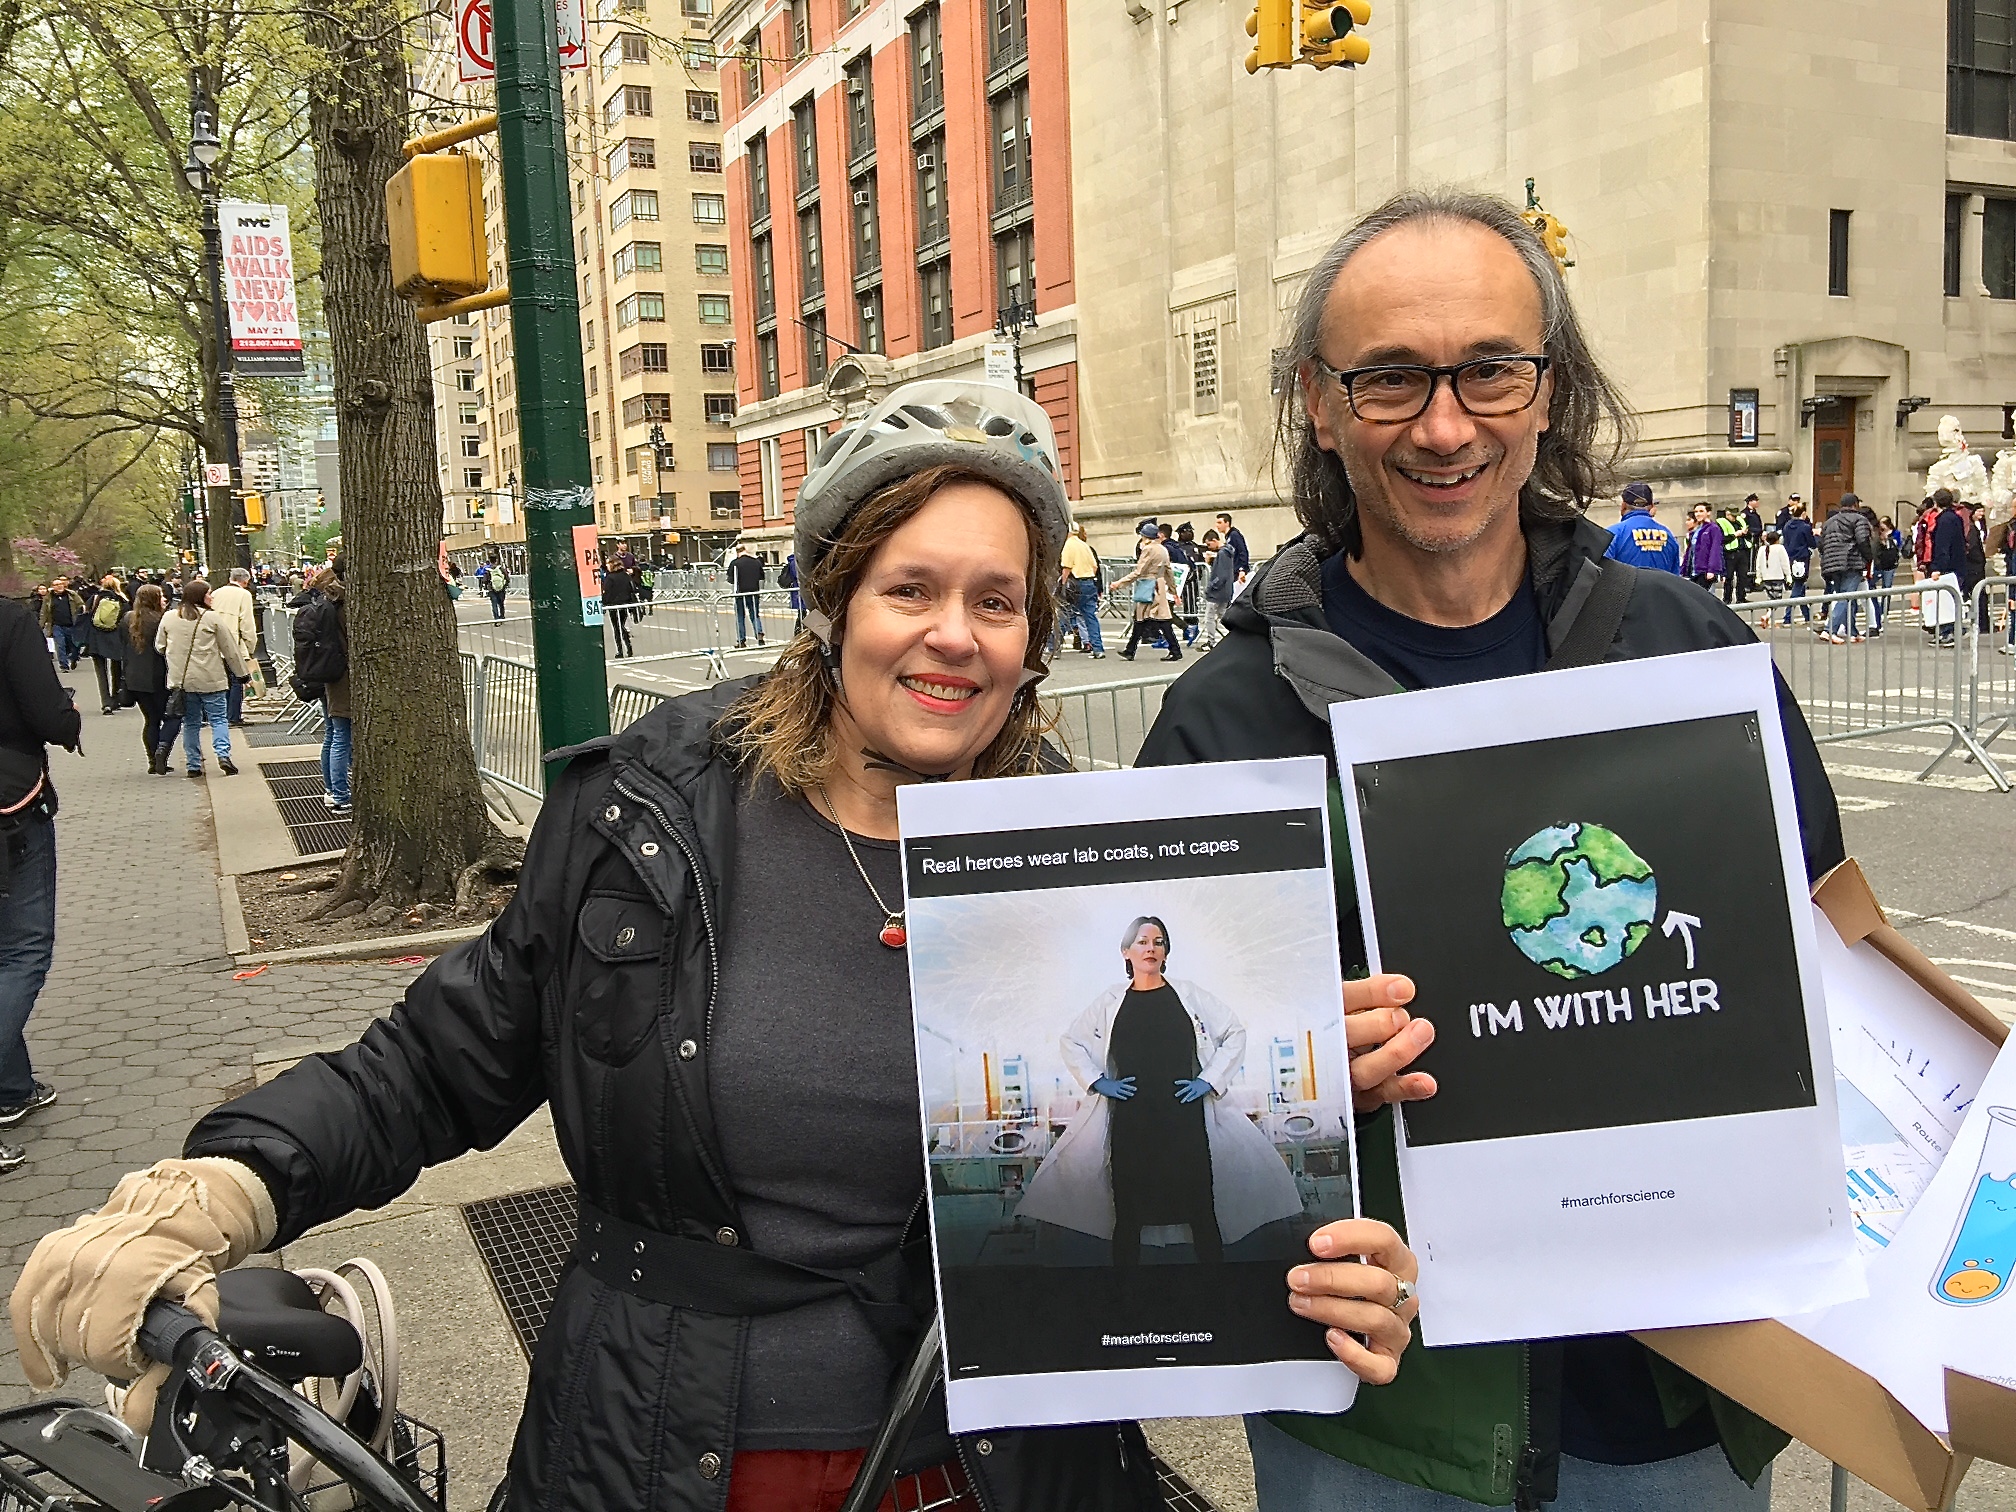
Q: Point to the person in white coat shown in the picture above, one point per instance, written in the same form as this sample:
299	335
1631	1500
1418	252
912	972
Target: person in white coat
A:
1157	1147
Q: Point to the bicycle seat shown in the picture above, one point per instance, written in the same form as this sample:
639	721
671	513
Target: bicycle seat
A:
272	1317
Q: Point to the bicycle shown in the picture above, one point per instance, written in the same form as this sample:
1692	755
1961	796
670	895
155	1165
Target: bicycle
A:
241	1420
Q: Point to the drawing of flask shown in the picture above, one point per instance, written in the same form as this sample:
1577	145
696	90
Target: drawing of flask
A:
1983	1256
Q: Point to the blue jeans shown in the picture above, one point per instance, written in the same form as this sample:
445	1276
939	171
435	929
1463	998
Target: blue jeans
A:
1083	611
235	694
1290	1476
27	944
748	611
336	756
496	606
1844	616
1883	578
68	647
199	709
1799	570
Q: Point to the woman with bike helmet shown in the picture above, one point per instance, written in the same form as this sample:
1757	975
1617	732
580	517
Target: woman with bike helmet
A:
703	971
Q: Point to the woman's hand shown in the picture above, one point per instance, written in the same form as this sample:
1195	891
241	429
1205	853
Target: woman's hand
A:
1119	1090
1355	1296
1383	1039
1191	1088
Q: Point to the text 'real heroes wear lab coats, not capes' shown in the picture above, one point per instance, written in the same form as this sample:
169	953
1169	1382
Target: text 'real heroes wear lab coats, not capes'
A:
1250	1183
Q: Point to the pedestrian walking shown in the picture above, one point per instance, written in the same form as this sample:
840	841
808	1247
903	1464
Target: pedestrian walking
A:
1190	573
1153	587
1847	547
1974	563
322	671
1945	562
1229	534
1219	587
146	674
1889	546
497	584
1774	573
1800	542
36	712
647	584
1638	538
201	648
788	1192
102	642
1079	581
619	604
787	577
63	621
1402	581
745	576
1753	522
1736	555
1702	562
236	607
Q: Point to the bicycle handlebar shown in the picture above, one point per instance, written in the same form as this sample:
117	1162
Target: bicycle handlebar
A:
175	1336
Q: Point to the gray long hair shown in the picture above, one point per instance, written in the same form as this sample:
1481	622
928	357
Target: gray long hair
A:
1575	458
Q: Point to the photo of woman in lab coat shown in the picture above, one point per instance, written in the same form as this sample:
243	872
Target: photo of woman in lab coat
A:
1156	1147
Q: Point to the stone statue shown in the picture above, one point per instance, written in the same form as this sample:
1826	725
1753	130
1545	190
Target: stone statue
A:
1957	468
2002	488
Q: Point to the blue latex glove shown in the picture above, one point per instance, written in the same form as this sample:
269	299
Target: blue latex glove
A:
1190	1091
1119	1090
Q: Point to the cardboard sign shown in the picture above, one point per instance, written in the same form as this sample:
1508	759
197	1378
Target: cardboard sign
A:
588	572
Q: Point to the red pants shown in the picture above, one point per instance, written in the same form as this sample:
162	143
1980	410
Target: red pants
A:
813	1480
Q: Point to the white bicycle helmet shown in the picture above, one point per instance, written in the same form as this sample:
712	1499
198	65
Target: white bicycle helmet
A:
998	433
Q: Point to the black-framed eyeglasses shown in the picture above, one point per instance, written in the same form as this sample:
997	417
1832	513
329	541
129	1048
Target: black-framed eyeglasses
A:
1486	387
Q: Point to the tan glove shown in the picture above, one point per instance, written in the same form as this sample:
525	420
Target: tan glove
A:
166	1232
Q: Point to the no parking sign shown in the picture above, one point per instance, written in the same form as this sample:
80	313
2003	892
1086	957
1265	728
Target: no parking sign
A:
475	50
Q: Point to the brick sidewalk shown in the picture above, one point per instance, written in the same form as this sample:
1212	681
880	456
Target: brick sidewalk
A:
141	1027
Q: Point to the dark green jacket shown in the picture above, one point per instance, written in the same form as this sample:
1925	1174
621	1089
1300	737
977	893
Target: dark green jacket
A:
1480	1421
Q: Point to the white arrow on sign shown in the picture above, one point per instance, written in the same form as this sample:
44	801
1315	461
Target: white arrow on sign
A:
1686	924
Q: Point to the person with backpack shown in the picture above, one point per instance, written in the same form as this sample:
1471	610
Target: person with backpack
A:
202	651
102	642
1883	571
322	671
497	584
1847	547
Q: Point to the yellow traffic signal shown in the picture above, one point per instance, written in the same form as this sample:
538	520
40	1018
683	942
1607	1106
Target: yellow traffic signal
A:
255	511
1272	28
1328	32
434	217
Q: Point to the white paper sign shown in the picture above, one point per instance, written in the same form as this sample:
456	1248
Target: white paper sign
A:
1635	1124
259	288
475	44
1124	1161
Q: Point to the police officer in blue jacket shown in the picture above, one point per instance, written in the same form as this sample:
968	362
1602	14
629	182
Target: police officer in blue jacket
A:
1640	540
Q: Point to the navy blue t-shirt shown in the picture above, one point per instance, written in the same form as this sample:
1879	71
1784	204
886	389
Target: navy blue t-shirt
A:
1610	1409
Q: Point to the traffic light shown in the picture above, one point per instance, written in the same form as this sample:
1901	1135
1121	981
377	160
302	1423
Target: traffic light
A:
255	511
320	507
1329	32
476	507
1553	235
1272	28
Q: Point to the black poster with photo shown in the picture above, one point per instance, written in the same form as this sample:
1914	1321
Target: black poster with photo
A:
1597	925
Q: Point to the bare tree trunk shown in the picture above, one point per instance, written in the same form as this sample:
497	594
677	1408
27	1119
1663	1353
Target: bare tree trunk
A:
420	826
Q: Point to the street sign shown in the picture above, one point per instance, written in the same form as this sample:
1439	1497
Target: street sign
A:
259	289
475	56
1001	363
216	474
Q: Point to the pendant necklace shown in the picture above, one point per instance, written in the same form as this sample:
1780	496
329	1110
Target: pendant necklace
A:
893	934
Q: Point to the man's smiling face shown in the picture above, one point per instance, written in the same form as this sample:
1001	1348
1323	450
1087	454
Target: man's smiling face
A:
1432	293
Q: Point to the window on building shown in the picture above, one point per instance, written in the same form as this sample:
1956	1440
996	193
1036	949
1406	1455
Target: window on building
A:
720	456
472	446
638	257
700	56
1998	247
697	10
811	265
1837	251
719	408
1012	160
869	332
465	346
1008	36
1981	68
725	504
598	469
467	414
702	105
633	152
1015	268
591	381
867	240
714	309
644	357
640	408
465	379
630	100
801	29
764	266
703	157
595	425
639	308
758	158
770	471
628	48
472	477
860	91
752	66
1204	369
766	366
805	146
814	326
934	290
643	511
717	357
589	331
927	77
1956	218
855	7
711	258
934	223
710	209
633	204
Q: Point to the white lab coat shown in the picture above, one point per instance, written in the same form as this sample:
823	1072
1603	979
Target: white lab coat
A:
1250	1183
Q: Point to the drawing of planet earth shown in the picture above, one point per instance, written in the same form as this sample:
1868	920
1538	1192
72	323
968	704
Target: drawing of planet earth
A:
1577	900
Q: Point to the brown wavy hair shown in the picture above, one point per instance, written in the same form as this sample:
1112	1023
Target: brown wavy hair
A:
144	618
783	727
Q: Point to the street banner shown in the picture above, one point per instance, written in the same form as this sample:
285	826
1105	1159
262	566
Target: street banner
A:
1596	881
588	566
259	290
1123	1164
1000	364
475	49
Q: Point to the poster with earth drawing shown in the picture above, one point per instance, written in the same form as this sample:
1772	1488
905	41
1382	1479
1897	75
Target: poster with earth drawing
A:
1595	879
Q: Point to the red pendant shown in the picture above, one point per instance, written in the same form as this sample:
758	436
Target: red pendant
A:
894	935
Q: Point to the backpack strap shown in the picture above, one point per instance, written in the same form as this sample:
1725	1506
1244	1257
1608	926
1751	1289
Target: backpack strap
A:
1595	625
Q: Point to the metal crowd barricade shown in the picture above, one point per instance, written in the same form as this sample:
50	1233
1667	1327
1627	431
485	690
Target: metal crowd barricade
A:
1101	727
1914	675
629	703
1992	701
506	729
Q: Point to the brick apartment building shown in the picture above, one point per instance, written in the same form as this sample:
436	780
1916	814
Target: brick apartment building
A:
885	195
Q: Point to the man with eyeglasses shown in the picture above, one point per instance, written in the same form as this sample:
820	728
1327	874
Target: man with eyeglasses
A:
1444	429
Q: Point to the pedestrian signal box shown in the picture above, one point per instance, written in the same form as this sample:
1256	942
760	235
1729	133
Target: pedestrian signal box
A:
1272	28
255	511
434	214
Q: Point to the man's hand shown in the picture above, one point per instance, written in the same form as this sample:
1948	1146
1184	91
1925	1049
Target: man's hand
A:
1383	1040
1354	1296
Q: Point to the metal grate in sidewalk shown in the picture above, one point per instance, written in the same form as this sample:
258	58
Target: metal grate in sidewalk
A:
525	1239
297	793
